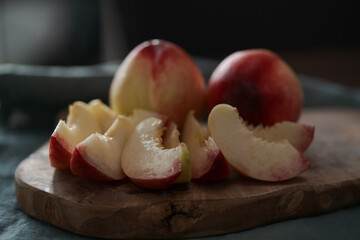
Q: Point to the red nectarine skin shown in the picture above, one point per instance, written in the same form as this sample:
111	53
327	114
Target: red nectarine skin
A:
80	167
159	52
305	164
308	137
58	155
220	169
259	84
160	183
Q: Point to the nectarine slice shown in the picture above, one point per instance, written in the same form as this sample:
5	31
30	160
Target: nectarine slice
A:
80	123
203	151
250	155
98	157
145	160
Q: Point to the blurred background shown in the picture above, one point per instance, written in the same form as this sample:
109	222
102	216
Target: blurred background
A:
317	38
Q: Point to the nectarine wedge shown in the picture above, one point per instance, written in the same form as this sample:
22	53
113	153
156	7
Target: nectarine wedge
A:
205	155
98	157
250	155
80	123
145	160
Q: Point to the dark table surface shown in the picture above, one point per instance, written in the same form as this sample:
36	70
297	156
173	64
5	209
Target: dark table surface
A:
30	97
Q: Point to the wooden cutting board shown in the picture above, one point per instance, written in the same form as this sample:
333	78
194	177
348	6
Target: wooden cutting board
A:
123	210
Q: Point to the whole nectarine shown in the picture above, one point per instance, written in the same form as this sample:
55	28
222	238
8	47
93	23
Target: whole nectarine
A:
159	76
263	88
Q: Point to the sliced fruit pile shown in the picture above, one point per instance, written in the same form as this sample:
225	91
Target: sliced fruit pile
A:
151	131
146	147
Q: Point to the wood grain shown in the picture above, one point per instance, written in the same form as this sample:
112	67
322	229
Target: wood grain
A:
123	210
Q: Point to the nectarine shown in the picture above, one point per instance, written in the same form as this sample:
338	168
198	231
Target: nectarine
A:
159	76
263	88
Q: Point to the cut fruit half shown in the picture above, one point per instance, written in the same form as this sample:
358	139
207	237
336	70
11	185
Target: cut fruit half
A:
145	160
98	157
250	155
205	156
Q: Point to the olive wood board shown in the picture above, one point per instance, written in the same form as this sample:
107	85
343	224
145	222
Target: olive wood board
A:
125	211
